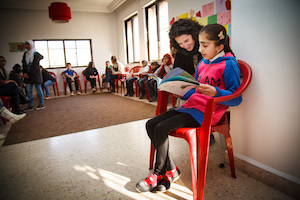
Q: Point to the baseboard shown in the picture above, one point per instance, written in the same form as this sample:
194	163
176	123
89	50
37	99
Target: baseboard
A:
282	184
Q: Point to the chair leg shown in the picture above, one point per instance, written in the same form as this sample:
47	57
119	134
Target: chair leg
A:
230	155
152	152
202	154
193	160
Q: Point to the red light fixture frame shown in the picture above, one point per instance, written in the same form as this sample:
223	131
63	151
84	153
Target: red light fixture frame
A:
59	12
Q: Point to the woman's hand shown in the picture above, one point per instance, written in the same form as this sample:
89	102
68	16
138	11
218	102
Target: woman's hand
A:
25	76
207	90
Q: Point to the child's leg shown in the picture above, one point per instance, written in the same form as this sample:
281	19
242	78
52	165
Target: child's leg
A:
159	128
76	83
69	81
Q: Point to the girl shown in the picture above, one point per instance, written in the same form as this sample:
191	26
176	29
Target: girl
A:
91	74
107	76
219	75
32	74
48	80
118	68
160	72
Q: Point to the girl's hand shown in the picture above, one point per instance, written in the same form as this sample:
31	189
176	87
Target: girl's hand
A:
207	90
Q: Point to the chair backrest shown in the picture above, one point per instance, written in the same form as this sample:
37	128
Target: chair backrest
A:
135	69
52	74
127	69
247	76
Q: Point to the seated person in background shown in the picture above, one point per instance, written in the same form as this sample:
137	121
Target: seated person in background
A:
106	78
160	72
91	74
48	80
17	75
10	88
71	77
129	82
6	114
117	68
3	73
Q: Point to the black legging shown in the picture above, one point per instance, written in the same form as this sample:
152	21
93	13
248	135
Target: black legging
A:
159	128
92	81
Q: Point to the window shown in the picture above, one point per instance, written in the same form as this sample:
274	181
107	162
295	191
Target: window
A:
132	39
59	52
157	24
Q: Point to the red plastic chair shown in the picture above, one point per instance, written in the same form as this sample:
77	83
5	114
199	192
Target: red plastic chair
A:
86	81
198	138
55	86
134	69
120	76
66	83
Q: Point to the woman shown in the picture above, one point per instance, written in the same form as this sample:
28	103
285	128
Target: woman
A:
184	40
118	68
91	74
32	74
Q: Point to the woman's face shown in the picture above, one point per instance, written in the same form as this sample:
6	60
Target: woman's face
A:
28	46
185	41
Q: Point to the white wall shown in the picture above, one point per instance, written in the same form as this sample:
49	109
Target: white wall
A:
21	25
265	127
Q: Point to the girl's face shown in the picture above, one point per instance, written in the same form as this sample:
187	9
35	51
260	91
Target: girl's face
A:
107	64
28	46
185	41
208	48
165	60
93	65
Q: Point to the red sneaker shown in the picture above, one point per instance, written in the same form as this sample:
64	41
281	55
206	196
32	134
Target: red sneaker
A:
170	177
149	183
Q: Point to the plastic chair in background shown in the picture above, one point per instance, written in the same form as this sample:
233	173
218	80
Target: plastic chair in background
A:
55	86
198	137
66	83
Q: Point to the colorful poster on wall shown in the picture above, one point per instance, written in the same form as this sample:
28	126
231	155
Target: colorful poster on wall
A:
212	19
224	17
208	9
203	21
223	5
17	46
184	16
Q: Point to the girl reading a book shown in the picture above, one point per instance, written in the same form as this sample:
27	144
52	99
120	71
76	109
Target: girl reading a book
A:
219	75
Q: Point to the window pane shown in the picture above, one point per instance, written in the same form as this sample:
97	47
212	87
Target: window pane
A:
152	29
42	48
164	28
129	41
56	53
71	54
136	39
83	52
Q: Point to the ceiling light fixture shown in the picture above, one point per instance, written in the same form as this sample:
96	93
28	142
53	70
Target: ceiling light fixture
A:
59	12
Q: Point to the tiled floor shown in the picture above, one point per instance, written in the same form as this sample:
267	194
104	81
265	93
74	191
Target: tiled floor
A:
106	163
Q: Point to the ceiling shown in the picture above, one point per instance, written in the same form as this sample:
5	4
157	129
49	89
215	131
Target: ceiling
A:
103	6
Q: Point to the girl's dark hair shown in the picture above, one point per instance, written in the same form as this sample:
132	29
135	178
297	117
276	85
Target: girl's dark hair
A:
90	64
214	32
154	63
184	26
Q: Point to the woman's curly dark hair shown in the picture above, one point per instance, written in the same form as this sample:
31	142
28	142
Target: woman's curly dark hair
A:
184	26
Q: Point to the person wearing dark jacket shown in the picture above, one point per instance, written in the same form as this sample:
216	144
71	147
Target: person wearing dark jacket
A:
48	80
91	74
32	74
10	88
16	75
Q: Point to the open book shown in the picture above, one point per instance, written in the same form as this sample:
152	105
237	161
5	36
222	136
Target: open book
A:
177	81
